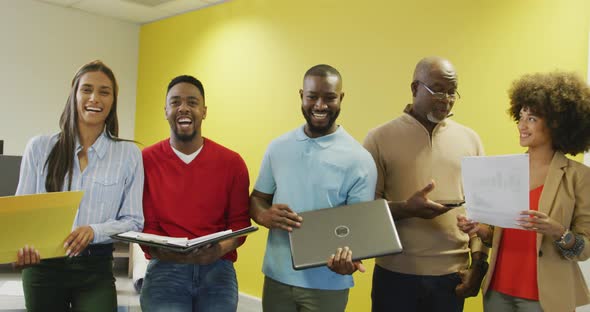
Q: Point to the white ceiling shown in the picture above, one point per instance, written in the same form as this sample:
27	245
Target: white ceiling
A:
136	11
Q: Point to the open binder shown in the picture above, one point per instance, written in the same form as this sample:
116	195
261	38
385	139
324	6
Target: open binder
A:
181	244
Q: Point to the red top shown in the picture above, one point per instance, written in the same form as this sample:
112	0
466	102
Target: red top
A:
207	195
516	265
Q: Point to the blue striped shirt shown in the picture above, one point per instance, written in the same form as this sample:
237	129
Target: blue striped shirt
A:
112	183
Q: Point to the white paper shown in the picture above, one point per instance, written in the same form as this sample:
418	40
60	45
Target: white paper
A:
176	241
180	241
496	188
197	240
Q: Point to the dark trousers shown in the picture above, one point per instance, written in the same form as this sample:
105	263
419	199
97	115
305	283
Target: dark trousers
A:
414	293
84	283
279	297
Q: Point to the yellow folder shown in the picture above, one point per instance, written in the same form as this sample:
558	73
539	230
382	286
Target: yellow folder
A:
40	220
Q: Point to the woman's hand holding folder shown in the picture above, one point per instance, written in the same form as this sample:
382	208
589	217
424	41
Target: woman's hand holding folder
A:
25	257
78	240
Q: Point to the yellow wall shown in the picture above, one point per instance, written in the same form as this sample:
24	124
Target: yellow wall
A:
251	55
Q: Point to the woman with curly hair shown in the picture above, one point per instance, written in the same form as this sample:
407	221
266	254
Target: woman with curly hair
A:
535	268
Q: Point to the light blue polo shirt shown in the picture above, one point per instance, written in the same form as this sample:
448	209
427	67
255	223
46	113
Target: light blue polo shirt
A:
308	174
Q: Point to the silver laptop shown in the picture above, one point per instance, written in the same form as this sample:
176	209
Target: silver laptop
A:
367	228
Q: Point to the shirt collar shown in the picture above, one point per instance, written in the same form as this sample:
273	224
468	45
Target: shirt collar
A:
323	141
100	145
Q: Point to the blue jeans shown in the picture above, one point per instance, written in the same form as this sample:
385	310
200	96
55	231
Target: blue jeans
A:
400	292
170	286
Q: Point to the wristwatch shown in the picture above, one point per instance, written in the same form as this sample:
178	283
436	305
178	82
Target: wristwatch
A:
566	238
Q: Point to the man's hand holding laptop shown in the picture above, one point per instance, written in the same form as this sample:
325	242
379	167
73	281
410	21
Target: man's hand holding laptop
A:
341	262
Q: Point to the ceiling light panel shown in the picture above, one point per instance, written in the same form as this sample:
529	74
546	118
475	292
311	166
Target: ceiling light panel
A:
61	2
181	6
150	3
120	9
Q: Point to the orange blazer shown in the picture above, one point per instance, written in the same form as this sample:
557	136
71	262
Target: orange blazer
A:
566	199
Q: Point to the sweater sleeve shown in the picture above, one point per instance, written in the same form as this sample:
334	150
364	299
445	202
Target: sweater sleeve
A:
373	148
149	213
237	216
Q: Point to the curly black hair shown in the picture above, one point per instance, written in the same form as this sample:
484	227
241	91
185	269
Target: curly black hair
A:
563	100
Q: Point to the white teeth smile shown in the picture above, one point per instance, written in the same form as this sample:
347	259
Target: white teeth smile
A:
184	122
319	115
94	109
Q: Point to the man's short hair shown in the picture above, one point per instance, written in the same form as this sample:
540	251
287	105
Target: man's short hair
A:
187	79
322	70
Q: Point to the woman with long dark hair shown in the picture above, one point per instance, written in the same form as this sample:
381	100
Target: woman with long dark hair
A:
86	155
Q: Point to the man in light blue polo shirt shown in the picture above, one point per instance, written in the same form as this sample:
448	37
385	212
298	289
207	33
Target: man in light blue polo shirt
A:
315	166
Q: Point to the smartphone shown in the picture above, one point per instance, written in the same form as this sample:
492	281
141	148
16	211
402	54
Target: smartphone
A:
451	203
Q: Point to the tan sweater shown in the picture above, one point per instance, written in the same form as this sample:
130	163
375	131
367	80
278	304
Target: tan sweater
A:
407	159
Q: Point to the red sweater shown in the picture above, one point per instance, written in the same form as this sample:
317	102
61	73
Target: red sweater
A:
207	195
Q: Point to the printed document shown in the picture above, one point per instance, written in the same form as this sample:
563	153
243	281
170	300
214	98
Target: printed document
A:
496	188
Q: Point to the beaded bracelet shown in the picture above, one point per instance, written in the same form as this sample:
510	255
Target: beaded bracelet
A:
575	250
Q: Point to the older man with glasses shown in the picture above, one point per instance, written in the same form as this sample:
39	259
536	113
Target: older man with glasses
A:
434	272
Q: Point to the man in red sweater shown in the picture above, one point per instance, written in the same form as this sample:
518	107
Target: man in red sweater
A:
193	187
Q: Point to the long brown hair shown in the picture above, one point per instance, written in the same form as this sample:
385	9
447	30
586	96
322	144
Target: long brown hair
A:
61	158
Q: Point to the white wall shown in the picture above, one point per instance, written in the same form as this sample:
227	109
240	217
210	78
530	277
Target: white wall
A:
41	47
585	266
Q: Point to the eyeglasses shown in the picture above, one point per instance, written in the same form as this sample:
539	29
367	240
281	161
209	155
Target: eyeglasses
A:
441	95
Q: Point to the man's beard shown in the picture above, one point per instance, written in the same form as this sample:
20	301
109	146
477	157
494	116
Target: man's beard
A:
185	137
324	129
431	118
